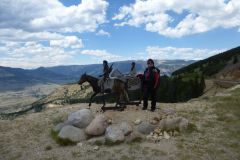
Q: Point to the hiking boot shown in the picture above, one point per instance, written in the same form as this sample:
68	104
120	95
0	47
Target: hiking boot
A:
153	109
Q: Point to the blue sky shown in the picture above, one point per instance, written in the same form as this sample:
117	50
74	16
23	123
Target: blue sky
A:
49	33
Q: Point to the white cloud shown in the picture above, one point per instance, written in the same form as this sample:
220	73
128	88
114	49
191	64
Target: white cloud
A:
68	42
172	53
42	33
100	55
33	54
201	16
12	36
52	15
103	33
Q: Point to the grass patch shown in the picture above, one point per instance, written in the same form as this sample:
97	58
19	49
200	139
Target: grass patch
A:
60	141
98	143
111	143
135	140
191	128
58	119
125	157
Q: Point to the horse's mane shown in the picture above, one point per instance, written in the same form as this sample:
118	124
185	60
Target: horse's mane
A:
95	78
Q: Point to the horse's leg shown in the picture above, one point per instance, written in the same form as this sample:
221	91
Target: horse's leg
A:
125	95
117	99
94	94
104	103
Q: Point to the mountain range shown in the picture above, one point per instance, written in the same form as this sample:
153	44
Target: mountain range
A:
18	78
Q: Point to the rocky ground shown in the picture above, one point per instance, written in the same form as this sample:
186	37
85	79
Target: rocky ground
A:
216	135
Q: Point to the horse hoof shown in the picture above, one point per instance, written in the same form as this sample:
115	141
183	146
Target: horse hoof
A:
102	109
121	109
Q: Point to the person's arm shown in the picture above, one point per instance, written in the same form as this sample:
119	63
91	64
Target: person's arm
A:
140	76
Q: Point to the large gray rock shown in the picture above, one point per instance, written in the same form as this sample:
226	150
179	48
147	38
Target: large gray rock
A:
71	133
98	126
114	134
81	118
58	127
146	128
126	128
174	124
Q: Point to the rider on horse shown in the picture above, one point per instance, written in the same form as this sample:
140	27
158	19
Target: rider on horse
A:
133	71
105	75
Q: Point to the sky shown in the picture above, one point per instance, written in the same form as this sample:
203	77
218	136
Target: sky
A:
73	32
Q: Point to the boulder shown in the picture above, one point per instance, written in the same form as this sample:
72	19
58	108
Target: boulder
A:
145	128
98	126
126	128
97	141
174	124
58	127
71	133
81	118
114	134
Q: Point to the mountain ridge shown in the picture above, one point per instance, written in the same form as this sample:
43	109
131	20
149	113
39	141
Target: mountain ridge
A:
18	78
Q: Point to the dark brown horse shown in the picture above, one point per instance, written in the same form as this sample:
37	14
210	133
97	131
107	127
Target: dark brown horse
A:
119	88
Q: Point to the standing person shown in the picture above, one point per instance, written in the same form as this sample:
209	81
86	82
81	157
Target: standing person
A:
150	80
133	71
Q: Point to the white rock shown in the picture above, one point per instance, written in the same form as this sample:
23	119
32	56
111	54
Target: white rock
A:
96	148
98	126
137	121
71	133
81	118
166	135
114	134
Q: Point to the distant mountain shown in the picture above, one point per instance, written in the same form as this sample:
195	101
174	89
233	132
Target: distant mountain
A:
166	67
212	65
17	78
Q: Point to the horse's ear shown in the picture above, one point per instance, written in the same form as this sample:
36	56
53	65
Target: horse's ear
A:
85	73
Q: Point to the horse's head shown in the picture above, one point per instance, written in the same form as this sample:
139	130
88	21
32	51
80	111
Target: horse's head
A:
83	79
